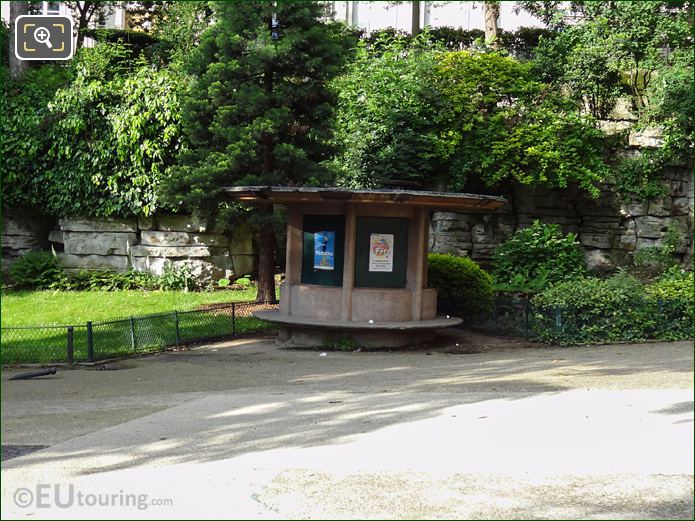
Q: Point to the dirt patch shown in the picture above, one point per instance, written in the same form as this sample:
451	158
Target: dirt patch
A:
244	308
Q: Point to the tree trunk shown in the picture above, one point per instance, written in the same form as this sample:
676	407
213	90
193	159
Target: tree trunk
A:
266	234
266	261
82	24
491	12
17	66
415	23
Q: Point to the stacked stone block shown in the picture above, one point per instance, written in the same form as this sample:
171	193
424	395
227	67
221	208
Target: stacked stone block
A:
149	244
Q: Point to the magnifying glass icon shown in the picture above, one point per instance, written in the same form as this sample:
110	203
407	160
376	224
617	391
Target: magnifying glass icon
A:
43	35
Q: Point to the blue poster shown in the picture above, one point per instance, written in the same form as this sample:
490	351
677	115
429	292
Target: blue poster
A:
324	250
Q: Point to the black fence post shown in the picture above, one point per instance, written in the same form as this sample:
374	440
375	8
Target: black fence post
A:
526	316
71	346
558	319
233	318
90	342
178	332
132	333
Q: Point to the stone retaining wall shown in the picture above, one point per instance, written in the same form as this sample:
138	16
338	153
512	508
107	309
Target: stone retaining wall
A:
151	243
609	230
22	232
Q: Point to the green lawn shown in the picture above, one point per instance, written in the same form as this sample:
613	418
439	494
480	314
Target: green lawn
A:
28	308
154	326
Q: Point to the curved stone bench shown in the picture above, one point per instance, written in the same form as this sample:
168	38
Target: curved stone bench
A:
311	332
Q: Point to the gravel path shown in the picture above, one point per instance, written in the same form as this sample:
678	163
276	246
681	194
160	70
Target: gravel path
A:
245	429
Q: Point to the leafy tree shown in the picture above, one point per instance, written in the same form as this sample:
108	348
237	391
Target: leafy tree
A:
439	118
616	47
389	118
87	14
258	111
23	136
640	50
504	124
179	26
92	139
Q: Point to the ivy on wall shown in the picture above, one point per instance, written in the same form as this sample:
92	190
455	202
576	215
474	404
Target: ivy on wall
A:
92	138
641	51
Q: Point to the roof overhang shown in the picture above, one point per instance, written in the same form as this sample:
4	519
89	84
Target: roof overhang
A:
442	201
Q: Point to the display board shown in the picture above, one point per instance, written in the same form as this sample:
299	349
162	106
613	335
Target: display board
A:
381	252
323	250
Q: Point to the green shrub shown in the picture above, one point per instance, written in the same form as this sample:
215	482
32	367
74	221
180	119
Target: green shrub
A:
461	282
35	270
651	261
244	281
673	292
537	256
591	310
100	280
176	279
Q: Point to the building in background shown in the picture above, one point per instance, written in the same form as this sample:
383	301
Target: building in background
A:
370	16
373	16
114	17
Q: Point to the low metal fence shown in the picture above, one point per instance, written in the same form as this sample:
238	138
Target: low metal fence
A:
101	340
514	315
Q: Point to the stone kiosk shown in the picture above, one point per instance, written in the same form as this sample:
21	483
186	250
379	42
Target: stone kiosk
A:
356	266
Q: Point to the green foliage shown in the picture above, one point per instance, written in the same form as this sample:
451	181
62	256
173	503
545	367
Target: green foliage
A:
113	138
654	260
172	279
244	281
98	145
504	124
673	292
135	41
389	117
591	310
4	44
258	111
101	280
519	43
461	282
522	283
24	126
177	278
223	283
178	26
35	270
438	118
536	256
639	178
641	50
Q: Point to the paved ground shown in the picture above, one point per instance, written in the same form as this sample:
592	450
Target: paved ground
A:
246	429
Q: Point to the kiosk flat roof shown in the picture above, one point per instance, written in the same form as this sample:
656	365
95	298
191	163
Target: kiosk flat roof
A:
296	195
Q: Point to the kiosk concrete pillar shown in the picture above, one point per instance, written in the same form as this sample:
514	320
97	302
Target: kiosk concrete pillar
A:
419	261
293	256
349	266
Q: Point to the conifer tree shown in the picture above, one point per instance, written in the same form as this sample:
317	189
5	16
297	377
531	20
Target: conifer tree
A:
258	111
